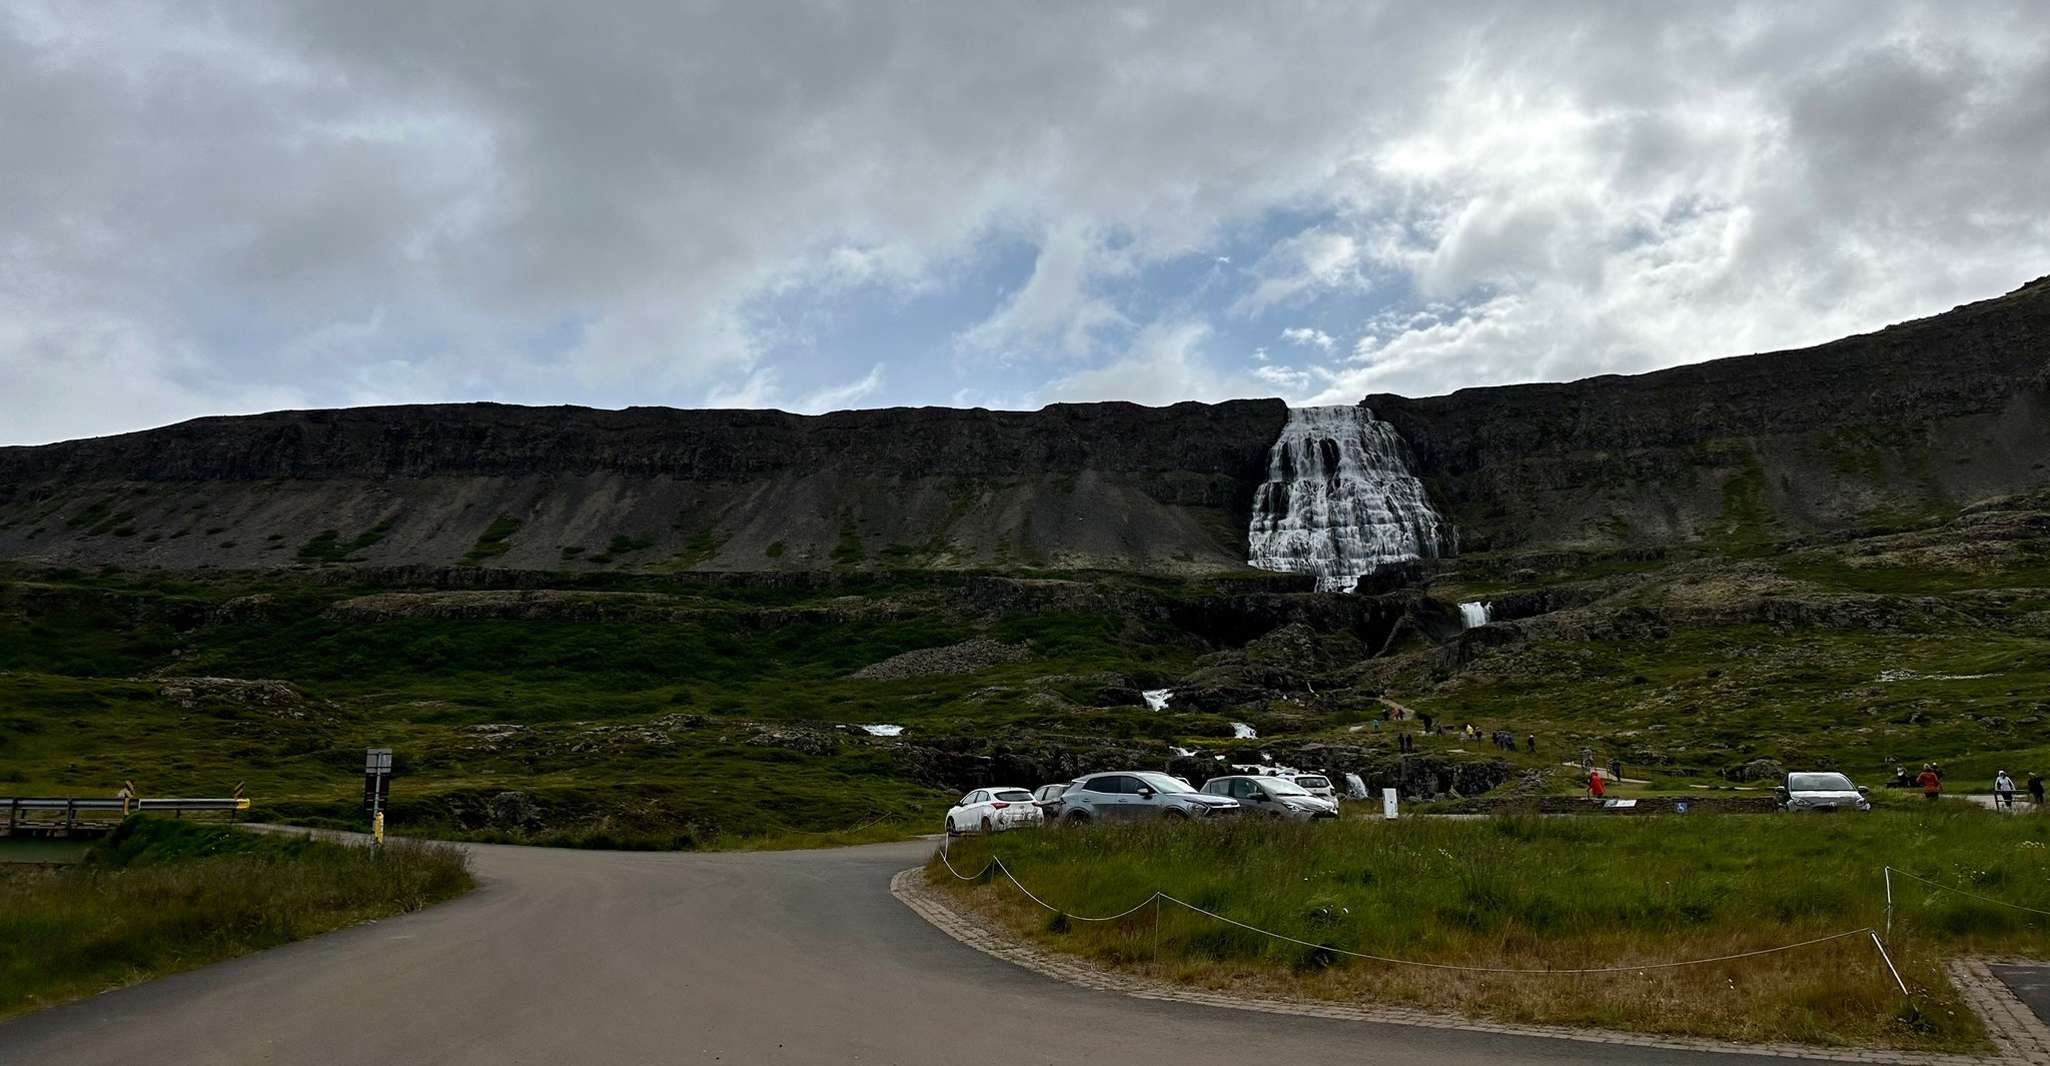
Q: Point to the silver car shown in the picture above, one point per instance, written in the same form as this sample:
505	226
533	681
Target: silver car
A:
1275	797
1131	795
1821	792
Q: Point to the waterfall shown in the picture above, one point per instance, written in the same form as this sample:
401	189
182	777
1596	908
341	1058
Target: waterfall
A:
1476	614
1340	500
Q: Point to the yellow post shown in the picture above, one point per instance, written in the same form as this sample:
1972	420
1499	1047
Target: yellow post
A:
377	827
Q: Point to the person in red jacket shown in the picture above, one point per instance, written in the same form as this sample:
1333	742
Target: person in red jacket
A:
1594	784
1932	785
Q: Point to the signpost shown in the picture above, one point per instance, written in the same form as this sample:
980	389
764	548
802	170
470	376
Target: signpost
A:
1388	803
377	788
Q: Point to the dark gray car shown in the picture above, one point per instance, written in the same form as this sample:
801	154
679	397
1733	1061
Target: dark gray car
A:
1132	795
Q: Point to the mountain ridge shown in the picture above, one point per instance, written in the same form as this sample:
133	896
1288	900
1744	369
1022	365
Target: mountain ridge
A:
1915	419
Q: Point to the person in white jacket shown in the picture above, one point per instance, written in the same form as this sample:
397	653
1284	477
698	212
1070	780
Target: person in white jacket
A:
2003	791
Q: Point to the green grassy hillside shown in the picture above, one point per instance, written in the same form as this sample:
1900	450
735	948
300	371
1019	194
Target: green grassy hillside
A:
684	712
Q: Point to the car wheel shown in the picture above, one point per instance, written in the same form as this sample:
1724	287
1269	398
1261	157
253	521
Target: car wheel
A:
1175	814
986	826
1076	818
951	831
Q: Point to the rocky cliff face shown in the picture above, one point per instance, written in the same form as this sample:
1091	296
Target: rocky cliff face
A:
1114	486
1914	420
1917	418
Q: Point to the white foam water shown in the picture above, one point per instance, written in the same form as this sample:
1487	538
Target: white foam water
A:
883	730
1242	731
1156	698
1476	614
1340	500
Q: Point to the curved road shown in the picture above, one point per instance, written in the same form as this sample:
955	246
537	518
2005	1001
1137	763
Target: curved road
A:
603	957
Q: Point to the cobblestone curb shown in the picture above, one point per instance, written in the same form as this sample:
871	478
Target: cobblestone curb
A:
2015	1029
910	888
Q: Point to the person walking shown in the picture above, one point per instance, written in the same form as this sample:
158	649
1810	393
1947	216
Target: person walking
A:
1531	743
2036	787
1932	785
2003	791
1587	758
1616	767
1595	787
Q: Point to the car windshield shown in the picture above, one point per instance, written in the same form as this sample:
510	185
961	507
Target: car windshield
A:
1313	781
1818	783
1277	786
1014	795
1164	783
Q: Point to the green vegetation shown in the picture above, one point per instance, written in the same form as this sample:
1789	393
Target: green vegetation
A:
1560	893
328	546
496	540
660	708
160	896
849	551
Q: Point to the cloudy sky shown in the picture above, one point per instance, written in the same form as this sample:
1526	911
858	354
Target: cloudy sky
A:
210	208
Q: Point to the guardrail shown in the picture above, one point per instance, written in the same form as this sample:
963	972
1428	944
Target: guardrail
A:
75	814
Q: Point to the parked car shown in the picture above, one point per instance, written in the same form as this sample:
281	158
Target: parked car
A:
1319	786
991	810
1048	799
1136	794
1821	792
1275	797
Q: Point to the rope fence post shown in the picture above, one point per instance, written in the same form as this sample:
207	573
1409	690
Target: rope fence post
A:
1887	872
1884	957
1156	930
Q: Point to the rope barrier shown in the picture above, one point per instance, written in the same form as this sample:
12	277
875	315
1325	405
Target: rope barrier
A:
1962	892
998	864
1519	970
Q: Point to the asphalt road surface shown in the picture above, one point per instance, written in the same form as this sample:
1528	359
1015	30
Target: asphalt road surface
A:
577	957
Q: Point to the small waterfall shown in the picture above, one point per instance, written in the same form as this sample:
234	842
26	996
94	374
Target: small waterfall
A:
1340	500
1476	614
1157	698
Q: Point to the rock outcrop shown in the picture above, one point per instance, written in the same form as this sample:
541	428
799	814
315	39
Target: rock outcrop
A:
1917	418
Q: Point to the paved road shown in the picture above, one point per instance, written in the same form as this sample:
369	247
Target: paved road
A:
2031	984
568	957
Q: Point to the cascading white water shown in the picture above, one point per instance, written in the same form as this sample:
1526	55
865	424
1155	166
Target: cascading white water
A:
1340	500
1476	614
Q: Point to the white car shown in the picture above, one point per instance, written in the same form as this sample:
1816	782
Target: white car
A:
992	810
1319	786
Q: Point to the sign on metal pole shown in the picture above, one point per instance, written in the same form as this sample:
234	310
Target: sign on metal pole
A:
377	788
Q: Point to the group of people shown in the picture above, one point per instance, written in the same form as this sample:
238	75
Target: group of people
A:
1930	781
1504	739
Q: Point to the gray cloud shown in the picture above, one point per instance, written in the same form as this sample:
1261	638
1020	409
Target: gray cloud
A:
317	203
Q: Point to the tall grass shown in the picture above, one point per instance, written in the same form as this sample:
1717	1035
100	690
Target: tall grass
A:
1557	893
162	896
